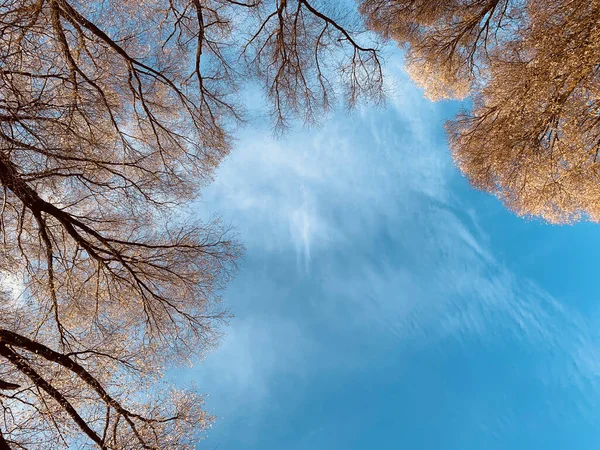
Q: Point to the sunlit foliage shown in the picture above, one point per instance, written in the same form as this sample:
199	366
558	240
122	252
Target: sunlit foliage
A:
532	71
113	114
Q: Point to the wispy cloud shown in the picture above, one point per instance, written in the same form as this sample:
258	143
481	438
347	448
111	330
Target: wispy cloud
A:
366	211
13	287
239	376
301	229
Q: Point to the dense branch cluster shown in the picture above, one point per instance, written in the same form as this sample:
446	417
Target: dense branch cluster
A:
532	71
113	114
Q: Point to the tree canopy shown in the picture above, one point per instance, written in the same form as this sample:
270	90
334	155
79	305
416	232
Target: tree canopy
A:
531	71
113	115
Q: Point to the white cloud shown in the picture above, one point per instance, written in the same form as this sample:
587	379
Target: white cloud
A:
13	286
302	222
257	348
334	195
282	193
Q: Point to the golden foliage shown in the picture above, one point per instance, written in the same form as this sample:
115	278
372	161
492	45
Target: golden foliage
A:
533	134
113	114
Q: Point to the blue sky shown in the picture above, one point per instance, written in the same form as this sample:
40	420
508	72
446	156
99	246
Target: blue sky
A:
383	303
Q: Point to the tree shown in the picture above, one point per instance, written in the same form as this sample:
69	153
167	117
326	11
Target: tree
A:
532	72
113	115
